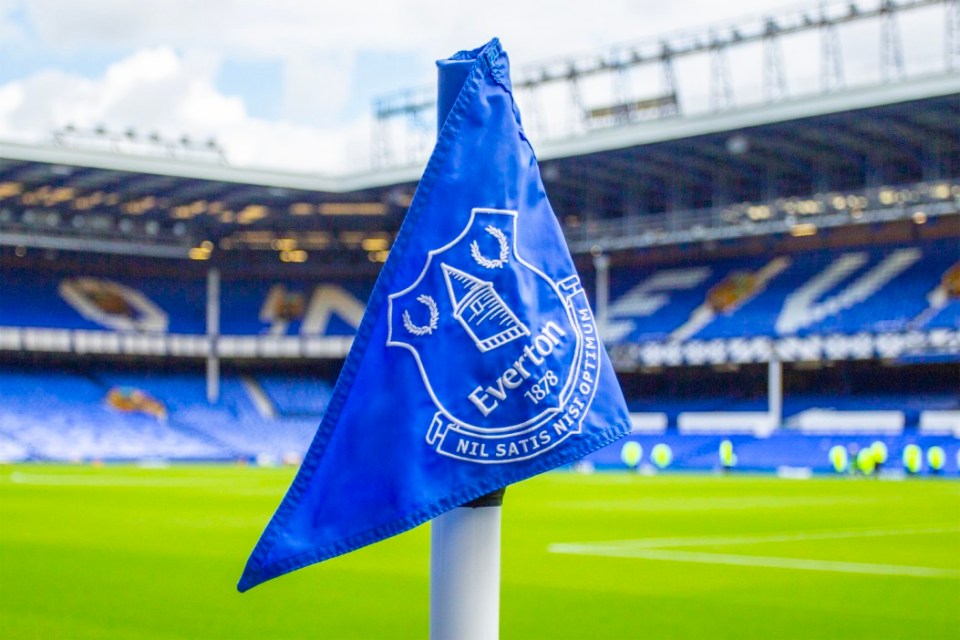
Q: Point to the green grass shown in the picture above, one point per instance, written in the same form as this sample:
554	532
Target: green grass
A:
123	552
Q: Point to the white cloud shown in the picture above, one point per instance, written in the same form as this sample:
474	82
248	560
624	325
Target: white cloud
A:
282	145
167	57
285	27
157	90
152	88
9	30
315	87
11	97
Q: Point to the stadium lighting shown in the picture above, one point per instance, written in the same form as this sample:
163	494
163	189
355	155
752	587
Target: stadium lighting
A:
284	244
251	213
10	189
919	217
803	230
352	209
296	255
302	209
199	253
181	212
375	244
737	145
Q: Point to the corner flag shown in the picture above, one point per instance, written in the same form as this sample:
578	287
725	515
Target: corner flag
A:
477	363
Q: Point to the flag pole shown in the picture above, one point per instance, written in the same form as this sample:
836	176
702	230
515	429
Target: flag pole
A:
464	542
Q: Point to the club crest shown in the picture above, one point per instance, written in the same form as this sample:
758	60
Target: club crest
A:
508	356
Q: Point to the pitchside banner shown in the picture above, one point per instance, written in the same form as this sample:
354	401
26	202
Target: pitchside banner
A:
477	363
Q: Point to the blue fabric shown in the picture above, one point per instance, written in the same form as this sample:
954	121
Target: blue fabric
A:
476	364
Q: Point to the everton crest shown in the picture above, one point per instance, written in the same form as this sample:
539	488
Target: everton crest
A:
508	357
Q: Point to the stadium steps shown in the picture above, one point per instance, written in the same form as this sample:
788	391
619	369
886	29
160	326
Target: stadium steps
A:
261	401
14	449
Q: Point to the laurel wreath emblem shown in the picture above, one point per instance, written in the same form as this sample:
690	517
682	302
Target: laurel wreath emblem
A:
485	262
428	328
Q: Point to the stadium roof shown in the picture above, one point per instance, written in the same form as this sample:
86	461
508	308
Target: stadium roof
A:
99	200
595	141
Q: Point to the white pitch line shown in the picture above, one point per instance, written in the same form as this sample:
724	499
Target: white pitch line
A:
68	480
652	549
798	564
706	541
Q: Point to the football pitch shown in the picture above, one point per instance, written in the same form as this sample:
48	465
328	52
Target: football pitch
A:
127	552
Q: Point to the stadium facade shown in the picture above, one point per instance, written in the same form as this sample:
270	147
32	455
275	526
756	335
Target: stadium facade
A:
783	274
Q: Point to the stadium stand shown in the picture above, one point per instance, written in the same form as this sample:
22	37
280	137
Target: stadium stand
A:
295	396
68	416
64	416
815	233
165	305
877	290
92	412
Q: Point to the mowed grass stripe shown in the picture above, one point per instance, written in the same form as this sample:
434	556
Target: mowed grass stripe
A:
127	552
107	480
703	504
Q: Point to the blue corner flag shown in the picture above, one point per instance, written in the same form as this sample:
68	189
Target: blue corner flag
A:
477	363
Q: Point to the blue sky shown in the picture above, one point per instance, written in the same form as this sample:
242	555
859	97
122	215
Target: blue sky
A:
284	83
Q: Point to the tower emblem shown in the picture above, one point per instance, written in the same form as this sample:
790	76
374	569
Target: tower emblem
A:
508	355
481	311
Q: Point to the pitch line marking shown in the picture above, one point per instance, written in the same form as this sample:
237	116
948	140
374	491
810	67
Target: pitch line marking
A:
653	549
800	536
797	564
68	480
697	504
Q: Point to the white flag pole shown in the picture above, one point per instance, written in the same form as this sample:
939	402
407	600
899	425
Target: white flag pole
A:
465	542
465	572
